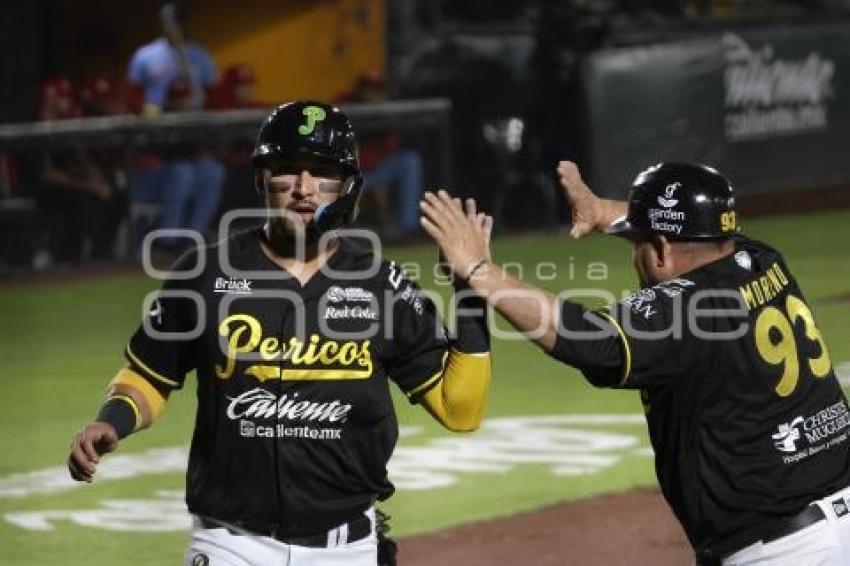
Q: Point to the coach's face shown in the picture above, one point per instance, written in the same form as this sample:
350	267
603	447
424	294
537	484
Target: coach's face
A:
293	194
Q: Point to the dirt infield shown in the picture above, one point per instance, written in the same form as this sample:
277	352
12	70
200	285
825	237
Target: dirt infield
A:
633	528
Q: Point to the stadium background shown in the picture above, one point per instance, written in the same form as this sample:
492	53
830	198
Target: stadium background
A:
549	438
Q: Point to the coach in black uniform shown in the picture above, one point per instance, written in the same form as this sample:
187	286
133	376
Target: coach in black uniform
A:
748	422
295	334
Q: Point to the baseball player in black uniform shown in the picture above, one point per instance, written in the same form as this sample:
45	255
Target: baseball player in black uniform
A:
295	334
748	422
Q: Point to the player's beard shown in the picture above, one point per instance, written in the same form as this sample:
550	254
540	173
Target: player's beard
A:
282	234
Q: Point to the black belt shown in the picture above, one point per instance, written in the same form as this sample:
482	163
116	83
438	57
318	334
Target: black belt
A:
358	529
805	518
776	530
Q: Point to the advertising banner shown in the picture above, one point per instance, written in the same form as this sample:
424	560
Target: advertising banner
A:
769	107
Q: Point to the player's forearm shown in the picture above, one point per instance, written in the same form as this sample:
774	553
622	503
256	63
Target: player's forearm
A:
529	309
472	330
148	401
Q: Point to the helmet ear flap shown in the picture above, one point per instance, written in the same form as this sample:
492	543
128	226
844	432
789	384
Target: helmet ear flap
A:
342	211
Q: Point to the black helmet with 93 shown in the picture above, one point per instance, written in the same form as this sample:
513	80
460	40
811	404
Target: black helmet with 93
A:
680	201
316	137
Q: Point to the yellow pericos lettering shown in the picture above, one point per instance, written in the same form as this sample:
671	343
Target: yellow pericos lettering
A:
313	360
233	330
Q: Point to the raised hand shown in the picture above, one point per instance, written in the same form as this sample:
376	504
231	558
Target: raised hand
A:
588	210
462	236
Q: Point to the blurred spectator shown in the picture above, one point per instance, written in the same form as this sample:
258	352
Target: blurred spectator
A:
179	98
156	65
237	89
57	100
388	167
98	98
82	208
186	181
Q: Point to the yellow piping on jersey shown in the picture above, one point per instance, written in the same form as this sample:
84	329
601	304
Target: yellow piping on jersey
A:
627	369
148	370
430	381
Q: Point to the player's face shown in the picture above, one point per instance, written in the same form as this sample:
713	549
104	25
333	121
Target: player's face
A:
297	193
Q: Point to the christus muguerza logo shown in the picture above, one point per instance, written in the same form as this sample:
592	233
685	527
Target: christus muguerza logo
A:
806	436
787	434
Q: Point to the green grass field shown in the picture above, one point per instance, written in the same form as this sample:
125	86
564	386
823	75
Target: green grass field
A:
60	344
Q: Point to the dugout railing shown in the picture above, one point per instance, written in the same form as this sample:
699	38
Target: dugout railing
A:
424	124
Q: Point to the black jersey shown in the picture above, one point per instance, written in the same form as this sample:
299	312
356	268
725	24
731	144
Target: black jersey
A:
295	422
746	417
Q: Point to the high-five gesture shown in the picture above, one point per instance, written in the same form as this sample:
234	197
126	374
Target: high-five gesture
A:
462	235
589	212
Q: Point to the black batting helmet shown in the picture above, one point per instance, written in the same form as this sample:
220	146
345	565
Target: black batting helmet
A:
309	133
681	201
313	135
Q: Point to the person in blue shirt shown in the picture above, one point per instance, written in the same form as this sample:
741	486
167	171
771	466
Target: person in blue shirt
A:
156	65
186	181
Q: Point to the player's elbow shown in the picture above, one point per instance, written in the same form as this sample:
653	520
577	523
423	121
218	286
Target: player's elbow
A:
458	399
469	424
464	414
456	415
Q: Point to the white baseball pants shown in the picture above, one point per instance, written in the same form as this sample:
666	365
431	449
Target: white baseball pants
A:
826	543
221	547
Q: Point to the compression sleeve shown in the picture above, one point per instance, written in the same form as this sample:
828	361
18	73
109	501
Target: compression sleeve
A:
457	395
154	399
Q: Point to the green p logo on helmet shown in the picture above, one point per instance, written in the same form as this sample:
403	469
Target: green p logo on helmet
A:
313	114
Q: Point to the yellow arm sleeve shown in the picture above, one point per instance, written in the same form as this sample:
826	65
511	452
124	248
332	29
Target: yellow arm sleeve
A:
458	397
147	398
